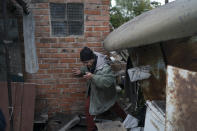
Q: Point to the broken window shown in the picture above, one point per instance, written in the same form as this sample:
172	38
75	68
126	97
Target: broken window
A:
67	19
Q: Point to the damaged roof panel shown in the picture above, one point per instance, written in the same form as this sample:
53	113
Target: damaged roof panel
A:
173	20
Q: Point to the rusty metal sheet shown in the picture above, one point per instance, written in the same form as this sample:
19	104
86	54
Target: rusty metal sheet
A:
153	87
181	101
182	53
23	98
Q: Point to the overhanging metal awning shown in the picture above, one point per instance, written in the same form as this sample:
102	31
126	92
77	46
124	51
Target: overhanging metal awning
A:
174	20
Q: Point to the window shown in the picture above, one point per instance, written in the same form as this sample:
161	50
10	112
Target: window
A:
67	19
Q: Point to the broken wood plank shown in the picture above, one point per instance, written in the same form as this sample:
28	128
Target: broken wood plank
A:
71	124
110	126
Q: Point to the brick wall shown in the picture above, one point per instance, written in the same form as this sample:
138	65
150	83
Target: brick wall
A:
57	89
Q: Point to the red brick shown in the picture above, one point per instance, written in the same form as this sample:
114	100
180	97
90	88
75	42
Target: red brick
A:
42	5
57	1
41	71
66	40
42	34
42	23
44	55
99	49
105	7
77	65
77	95
44	66
69	80
81	86
92	34
93	23
39	76
72	55
42	29
94	44
46	50
80	39
57	45
48	40
43	45
50	60
58	55
41	18
70	90
55	71
92	12
105	12
105	34
43	86
106	2
93	39
98	18
93	6
41	12
50	81
93	1
55	90
89	28
35	81
68	61
75	1
106	23
59	65
101	28
65	75
67	71
61	86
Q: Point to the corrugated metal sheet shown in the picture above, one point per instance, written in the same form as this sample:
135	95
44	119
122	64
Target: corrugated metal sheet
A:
181	101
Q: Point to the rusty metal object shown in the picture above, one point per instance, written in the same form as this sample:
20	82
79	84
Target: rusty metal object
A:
181	102
154	87
182	53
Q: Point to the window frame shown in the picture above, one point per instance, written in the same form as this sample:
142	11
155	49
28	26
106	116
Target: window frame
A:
66	20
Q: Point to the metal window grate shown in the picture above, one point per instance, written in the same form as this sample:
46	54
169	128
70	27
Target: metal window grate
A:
75	27
75	11
59	28
67	19
58	11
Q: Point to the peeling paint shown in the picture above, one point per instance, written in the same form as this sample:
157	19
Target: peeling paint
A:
181	108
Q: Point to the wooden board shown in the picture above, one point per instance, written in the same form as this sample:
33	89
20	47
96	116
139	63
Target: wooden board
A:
23	99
